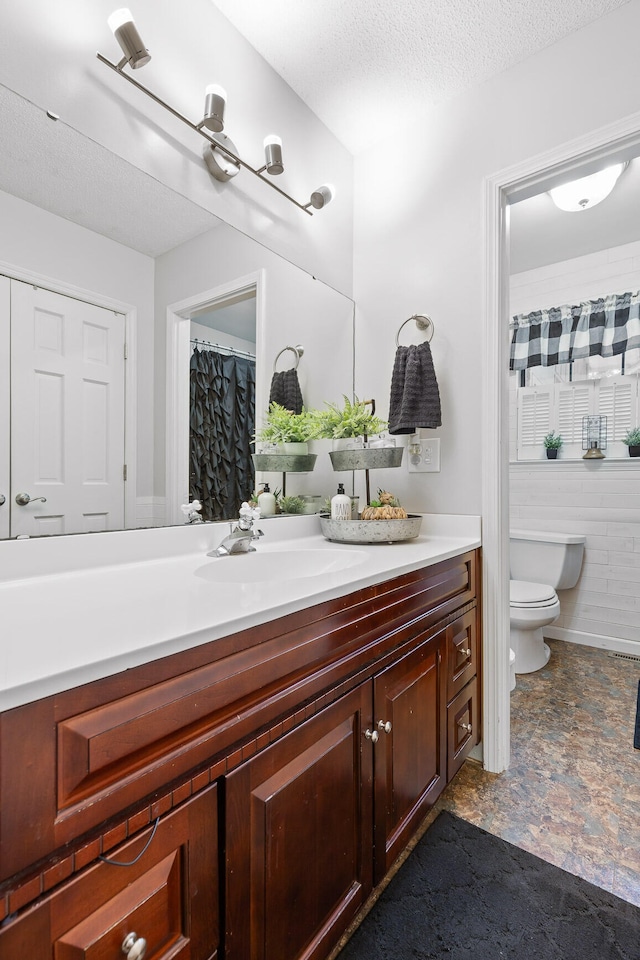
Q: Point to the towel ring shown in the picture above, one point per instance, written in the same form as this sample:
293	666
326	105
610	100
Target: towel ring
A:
298	350
422	323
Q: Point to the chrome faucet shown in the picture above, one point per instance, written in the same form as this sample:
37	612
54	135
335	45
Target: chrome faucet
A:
241	538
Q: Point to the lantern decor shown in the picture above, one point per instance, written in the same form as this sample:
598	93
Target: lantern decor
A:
594	437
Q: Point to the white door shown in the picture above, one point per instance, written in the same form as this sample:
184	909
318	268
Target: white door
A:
5	406
67	414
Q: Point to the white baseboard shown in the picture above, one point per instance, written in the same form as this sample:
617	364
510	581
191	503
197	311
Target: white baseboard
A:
151	511
593	640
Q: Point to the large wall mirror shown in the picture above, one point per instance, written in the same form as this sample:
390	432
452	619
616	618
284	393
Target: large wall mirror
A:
95	255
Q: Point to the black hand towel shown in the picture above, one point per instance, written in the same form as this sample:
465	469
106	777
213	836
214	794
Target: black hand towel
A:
285	390
415	398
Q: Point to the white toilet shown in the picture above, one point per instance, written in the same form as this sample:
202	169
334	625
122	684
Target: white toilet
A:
540	564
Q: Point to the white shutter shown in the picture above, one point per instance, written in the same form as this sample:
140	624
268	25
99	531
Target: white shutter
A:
573	402
616	400
534	420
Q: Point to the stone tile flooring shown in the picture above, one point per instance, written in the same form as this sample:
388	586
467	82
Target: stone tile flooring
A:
572	792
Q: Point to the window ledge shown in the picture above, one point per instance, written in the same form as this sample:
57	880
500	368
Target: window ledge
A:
592	466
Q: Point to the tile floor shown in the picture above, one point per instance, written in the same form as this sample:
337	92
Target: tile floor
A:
572	792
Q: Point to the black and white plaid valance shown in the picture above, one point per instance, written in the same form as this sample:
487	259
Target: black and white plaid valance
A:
596	328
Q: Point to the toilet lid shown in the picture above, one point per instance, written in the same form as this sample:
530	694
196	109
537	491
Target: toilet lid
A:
525	594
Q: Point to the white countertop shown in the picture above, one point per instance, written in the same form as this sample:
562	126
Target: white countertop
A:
119	600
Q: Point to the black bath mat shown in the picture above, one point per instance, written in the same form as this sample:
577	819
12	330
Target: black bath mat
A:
466	895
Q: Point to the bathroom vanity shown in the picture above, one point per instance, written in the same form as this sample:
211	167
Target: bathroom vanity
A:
236	791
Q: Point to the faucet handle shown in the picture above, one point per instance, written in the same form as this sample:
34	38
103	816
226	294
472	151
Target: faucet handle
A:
247	516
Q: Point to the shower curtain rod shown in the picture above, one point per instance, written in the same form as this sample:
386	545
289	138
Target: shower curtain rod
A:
220	347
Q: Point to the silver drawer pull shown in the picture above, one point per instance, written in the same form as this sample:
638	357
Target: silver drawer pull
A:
134	946
372	735
384	726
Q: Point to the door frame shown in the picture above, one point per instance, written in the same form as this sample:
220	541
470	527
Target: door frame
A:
177	380
130	384
617	141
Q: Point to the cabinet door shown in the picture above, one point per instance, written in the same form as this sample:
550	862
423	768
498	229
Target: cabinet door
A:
299	837
169	897
410	759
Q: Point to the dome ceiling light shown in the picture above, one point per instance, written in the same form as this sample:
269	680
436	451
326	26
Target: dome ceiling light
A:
587	191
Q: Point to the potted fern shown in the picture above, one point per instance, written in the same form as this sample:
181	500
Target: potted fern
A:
349	422
289	431
632	440
552	443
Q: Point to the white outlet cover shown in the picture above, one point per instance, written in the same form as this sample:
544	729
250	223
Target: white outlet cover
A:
429	461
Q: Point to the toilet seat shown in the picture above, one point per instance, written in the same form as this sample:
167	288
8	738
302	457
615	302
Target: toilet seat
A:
524	595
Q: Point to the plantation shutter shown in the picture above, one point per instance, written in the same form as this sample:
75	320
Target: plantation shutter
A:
617	402
573	402
534	420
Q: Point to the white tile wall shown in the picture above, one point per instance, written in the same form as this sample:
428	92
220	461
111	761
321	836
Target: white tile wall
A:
604	608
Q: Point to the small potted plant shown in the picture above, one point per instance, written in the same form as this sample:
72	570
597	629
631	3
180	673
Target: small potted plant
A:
290	431
632	440
552	443
348	422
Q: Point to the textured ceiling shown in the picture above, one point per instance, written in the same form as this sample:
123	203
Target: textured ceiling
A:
54	167
363	66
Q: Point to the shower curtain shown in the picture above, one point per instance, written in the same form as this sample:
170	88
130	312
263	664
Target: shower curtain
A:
221	472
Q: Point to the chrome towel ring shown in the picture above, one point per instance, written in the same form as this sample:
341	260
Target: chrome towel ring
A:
298	350
422	323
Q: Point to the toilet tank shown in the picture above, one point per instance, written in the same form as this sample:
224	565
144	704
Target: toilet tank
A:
542	557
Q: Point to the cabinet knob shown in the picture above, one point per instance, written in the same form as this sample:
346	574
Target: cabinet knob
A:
3	499
384	726
467	652
372	735
134	946
465	726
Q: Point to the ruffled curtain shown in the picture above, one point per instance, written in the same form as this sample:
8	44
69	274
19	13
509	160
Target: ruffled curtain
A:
605	327
221	473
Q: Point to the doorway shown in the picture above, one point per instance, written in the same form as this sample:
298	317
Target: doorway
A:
179	320
614	143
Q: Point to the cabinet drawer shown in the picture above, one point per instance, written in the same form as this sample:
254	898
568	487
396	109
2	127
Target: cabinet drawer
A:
463	727
462	652
169	897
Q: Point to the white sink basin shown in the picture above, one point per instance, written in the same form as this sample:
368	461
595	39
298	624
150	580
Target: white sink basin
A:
260	567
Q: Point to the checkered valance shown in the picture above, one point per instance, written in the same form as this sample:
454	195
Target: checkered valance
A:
596	328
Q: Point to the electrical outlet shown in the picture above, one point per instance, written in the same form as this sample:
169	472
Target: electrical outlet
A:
427	460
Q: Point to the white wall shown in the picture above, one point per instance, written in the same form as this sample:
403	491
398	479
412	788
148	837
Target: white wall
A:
38	242
419	234
604	505
47	54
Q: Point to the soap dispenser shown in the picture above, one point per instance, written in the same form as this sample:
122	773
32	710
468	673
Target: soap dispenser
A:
266	502
341	505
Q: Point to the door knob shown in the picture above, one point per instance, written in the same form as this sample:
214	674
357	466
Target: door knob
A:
134	946
22	499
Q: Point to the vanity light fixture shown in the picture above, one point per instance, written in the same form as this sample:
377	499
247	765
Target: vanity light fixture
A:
321	197
126	33
215	100
272	155
587	191
219	152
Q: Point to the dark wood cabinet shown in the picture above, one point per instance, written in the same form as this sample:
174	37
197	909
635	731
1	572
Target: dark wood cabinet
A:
410	753
168	896
299	836
299	756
